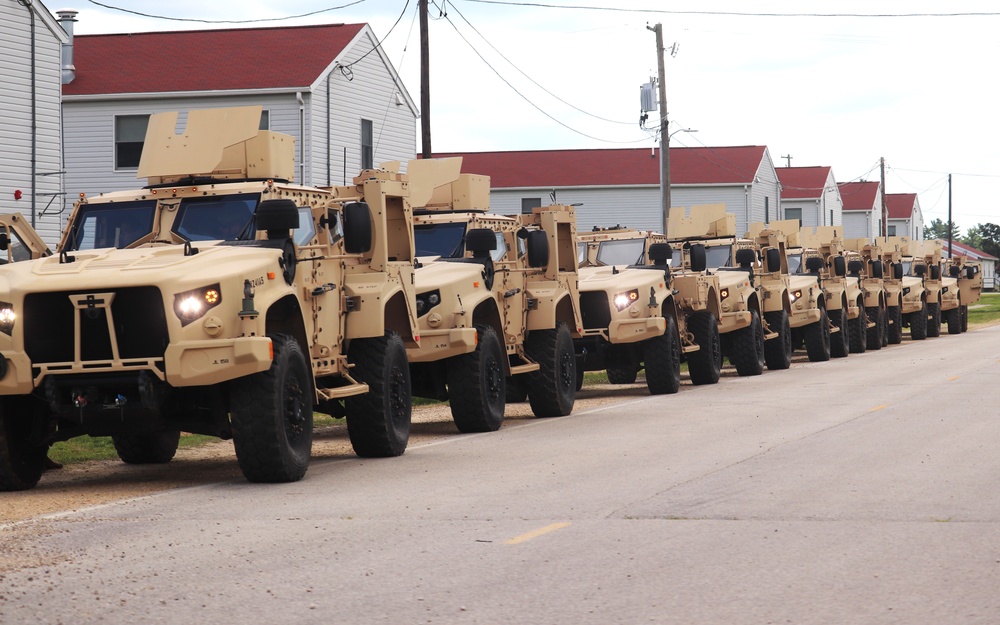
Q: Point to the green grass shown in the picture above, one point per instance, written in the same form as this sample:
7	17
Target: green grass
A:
986	310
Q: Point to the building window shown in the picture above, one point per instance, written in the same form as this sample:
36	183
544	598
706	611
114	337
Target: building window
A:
265	120
794	213
831	218
528	203
130	134
367	151
767	210
892	230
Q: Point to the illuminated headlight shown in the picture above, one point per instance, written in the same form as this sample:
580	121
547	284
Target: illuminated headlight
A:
626	299
192	305
906	291
7	317
724	293
426	301
794	295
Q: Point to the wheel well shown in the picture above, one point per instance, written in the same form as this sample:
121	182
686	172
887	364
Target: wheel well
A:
397	318
486	313
285	317
713	303
564	313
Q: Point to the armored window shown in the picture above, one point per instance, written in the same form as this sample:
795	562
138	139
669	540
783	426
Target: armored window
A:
623	252
118	225
265	120
367	143
528	203
130	134
18	250
501	250
445	240
306	231
226	218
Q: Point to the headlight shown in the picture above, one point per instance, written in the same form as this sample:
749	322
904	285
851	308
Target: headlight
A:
626	299
192	305
426	301
724	293
794	295
7	318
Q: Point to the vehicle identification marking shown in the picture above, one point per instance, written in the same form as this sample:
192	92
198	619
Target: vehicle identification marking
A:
536	533
255	282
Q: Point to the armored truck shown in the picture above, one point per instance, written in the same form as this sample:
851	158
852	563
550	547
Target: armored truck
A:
497	306
221	299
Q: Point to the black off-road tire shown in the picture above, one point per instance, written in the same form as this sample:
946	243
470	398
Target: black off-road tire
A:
517	389
839	342
778	351
272	416
551	389
662	359
579	376
857	331
953	318
875	335
817	338
885	328
21	461
477	386
618	374
964	314
705	365
918	323
378	422
894	328
746	347
934	319
147	447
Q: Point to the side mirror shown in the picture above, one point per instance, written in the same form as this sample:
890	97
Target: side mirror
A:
357	228
970	272
660	253
920	270
954	271
854	267
277	217
480	241
814	264
697	257
935	272
878	270
4	241
745	258
773	258
538	248
897	271
839	266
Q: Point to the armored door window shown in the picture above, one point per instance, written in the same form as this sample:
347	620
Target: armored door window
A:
501	250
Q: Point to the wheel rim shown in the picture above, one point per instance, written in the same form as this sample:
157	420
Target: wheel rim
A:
567	376
493	378
398	398
294	415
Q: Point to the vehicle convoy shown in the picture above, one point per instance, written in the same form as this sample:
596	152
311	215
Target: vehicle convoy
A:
497	303
219	299
968	272
807	318
821	250
754	322
640	313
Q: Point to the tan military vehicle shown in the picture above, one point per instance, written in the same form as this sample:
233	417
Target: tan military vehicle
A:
498	306
220	299
864	261
807	318
743	327
641	313
892	283
919	294
968	273
844	297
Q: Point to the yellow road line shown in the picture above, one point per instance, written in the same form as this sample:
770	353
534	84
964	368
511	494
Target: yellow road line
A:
879	407
954	378
536	533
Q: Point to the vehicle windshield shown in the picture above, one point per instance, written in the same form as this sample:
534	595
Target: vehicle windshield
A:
718	256
795	263
907	264
16	248
444	240
581	254
624	252
228	218
111	225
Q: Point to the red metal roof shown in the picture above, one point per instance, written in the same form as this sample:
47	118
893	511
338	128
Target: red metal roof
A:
802	182
859	196
900	205
968	250
206	60
627	166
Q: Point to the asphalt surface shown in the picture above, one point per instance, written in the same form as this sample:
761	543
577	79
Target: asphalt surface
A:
861	490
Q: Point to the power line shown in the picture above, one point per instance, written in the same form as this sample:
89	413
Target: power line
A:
202	21
728	13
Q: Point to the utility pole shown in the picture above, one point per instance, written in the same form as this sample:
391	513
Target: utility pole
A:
788	160
425	83
950	226
885	205
664	135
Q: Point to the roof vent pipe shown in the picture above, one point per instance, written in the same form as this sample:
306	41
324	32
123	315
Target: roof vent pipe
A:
67	17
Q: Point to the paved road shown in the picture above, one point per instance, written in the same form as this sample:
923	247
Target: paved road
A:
855	491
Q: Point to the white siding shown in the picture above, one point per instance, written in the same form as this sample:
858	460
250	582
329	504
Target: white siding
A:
634	207
16	121
860	224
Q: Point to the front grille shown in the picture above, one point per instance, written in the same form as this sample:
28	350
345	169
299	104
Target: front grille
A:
595	310
137	317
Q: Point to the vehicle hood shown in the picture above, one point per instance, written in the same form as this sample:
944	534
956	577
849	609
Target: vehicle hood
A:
605	278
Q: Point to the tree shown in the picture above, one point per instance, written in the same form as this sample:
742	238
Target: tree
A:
939	230
985	237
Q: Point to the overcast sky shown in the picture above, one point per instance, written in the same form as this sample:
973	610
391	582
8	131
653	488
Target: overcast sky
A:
840	87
